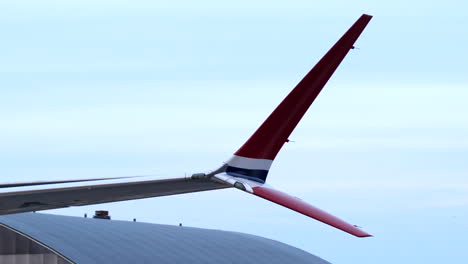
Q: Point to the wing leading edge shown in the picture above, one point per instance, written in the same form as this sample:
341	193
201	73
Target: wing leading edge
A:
247	169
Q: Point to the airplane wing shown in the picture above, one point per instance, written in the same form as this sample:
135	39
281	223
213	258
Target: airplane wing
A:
246	170
76	193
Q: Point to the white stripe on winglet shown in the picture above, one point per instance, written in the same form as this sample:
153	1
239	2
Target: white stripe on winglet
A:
249	163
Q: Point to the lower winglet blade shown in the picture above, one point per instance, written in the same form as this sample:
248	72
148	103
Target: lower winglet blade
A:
304	208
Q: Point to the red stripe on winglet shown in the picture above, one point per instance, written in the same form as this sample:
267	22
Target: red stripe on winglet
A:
304	208
267	141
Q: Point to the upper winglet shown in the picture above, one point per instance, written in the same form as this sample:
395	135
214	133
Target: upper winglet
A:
254	158
266	142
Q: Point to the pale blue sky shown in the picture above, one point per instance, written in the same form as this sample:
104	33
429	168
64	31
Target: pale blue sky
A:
113	88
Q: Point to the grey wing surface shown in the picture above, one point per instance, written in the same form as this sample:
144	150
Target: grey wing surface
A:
36	197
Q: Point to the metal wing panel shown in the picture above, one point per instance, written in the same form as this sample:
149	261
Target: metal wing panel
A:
36	198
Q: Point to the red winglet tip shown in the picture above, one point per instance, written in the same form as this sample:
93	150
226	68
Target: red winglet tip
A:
364	234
